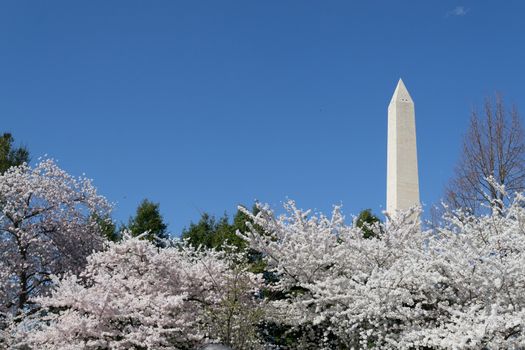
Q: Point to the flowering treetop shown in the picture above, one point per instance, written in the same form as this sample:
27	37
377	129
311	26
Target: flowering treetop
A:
47	227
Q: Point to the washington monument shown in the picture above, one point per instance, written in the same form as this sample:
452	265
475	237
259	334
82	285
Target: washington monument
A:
402	189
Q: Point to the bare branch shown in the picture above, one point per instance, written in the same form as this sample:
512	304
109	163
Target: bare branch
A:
494	146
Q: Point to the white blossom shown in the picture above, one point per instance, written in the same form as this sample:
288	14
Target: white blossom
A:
136	296
46	228
458	287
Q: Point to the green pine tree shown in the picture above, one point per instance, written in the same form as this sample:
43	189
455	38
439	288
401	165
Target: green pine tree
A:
9	155
148	219
211	233
107	227
366	221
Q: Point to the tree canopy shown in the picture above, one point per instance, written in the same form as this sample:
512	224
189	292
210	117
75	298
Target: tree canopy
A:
493	153
368	222
148	220
10	155
46	228
210	232
135	296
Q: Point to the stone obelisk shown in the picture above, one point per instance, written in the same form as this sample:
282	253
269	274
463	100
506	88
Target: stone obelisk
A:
402	190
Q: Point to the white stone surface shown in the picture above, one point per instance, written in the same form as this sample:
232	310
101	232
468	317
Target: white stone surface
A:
402	190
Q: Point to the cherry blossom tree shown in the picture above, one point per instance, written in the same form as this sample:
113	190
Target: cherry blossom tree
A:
458	287
46	228
136	296
479	264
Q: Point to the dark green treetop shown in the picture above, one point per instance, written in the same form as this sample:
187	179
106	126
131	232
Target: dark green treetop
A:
213	233
366	221
210	232
107	227
148	219
9	155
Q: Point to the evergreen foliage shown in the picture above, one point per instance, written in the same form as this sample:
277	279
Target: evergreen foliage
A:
148	219
213	233
9	155
368	223
107	228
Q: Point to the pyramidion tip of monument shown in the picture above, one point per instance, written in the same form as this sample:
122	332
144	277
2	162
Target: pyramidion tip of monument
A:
401	93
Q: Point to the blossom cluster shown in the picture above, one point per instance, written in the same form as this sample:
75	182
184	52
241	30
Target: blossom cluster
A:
46	228
327	285
458	286
134	295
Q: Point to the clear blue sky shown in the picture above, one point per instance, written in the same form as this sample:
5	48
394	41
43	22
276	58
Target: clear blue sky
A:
202	105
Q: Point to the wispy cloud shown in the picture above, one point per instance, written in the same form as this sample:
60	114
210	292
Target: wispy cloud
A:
458	11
